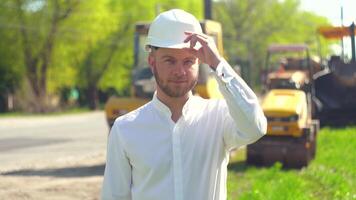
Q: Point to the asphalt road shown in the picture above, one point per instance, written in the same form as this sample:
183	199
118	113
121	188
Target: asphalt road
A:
29	142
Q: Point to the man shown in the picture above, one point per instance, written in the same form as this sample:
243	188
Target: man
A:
176	147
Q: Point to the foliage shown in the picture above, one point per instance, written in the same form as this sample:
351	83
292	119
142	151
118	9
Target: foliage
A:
102	48
250	26
332	175
64	44
35	24
10	70
60	44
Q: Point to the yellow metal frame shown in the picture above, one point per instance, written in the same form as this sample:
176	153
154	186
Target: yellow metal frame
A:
118	106
280	106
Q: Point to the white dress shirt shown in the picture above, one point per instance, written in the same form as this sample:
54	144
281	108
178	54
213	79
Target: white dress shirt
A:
150	157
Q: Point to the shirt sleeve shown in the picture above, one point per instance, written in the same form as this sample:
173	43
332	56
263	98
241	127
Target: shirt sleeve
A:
246	122
117	176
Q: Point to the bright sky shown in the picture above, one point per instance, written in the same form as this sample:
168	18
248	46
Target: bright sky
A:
332	9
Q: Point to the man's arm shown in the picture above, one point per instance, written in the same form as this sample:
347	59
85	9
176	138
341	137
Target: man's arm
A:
117	177
248	122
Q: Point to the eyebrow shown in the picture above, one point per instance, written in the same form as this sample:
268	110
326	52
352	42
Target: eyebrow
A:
166	56
172	57
190	58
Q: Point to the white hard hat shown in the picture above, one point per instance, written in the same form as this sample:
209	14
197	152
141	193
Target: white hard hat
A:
167	30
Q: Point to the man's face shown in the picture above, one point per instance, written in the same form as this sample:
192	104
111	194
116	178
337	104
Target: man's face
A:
175	70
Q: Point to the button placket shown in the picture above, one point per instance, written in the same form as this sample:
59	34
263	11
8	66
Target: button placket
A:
177	160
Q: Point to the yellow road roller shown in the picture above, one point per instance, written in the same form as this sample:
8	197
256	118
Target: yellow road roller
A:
291	131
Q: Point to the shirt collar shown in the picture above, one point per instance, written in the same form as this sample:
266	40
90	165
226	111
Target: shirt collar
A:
160	106
187	105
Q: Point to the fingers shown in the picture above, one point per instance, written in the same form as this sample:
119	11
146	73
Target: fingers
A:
193	33
194	38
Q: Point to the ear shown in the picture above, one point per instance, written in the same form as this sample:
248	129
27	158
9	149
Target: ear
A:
151	61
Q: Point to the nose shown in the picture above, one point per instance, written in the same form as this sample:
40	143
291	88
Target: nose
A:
180	70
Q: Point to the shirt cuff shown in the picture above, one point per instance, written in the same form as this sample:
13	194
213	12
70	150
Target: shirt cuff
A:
224	72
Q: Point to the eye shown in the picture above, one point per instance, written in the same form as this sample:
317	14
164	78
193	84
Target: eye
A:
169	61
188	62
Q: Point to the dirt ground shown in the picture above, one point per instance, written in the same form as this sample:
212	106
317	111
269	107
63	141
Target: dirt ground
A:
57	157
60	180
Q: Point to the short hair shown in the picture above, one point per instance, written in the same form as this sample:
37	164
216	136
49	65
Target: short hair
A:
152	47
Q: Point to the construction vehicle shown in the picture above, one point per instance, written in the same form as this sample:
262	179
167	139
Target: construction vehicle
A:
143	83
291	131
335	87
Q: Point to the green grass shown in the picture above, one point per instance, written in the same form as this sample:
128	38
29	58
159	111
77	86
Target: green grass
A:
331	175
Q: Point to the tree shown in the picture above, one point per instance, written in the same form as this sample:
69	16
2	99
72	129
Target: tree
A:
108	60
70	43
39	23
104	48
97	61
10	79
250	26
11	71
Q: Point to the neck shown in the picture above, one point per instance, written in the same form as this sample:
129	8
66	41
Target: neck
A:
175	104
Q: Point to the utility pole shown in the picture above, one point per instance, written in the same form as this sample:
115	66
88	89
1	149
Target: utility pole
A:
342	38
352	35
207	9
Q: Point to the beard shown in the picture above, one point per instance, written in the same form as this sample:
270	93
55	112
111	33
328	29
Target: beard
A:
173	91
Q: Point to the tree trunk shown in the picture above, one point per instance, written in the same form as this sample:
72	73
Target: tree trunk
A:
37	64
92	96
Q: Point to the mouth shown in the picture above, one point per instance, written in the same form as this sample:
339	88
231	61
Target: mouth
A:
178	81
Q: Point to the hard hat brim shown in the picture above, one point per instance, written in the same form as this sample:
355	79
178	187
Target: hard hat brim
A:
169	45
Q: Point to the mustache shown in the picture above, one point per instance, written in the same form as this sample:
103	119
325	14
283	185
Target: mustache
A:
178	79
